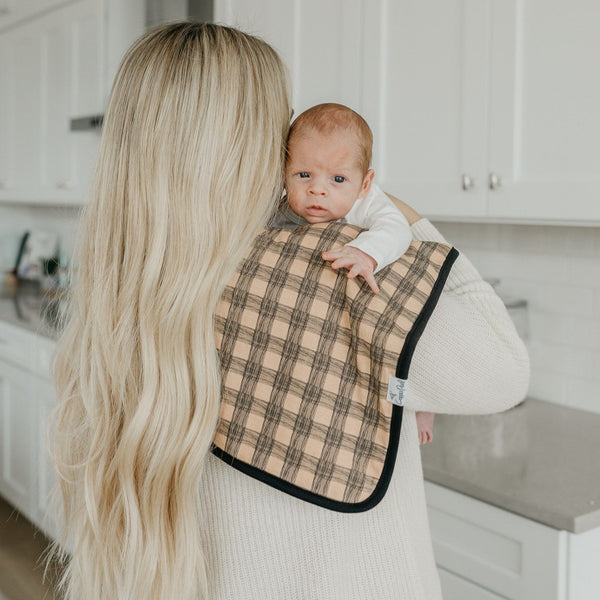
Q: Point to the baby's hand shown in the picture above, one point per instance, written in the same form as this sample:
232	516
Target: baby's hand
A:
356	261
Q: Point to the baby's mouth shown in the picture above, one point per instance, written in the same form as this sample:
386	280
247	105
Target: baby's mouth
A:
316	210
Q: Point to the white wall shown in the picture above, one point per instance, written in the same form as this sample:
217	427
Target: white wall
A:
557	270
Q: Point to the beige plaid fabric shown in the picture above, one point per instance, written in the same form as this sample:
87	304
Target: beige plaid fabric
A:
306	357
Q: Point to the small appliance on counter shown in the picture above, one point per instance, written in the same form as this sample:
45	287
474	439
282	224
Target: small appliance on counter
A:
516	307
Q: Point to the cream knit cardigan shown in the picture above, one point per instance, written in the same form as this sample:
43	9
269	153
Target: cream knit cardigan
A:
265	545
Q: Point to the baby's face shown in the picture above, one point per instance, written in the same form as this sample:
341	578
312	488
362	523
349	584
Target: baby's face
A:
323	177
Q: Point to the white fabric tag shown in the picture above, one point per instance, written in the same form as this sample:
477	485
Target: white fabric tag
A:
396	390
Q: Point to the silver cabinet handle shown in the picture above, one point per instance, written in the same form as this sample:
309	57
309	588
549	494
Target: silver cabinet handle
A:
495	181
467	182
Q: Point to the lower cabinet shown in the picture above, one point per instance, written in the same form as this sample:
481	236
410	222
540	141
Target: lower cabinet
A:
454	586
26	400
19	437
486	553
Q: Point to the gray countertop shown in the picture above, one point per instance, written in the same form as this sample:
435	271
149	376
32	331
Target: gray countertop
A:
27	307
538	460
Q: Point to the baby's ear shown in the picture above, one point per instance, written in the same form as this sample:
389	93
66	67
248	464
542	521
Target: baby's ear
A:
366	184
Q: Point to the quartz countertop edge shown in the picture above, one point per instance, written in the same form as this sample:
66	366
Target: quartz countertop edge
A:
554	519
538	460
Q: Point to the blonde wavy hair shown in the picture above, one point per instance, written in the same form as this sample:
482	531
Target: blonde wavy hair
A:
189	171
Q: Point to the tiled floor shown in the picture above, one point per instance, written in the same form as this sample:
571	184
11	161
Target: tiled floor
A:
21	563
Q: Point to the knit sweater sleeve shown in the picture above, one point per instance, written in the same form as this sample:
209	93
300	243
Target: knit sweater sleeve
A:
470	359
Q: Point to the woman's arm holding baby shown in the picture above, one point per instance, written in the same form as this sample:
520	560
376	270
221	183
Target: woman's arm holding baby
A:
469	358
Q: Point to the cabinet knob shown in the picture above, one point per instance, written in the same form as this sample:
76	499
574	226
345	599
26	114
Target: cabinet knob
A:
495	181
468	182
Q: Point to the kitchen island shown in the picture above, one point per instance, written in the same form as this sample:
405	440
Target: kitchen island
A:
514	503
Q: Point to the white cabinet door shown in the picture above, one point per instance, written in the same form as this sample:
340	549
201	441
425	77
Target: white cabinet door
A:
544	117
7	112
320	42
16	11
72	86
425	68
46	476
458	588
509	556
57	67
18	448
26	91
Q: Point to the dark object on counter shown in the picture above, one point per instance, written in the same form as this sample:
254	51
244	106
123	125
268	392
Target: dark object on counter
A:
50	265
20	252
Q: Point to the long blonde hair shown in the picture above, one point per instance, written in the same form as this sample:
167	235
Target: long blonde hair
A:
189	171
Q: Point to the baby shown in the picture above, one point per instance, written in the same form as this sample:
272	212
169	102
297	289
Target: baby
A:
328	178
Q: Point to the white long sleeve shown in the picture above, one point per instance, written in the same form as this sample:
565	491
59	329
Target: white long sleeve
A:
388	233
470	359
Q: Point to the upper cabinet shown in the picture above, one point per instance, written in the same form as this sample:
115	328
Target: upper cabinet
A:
318	40
481	109
56	68
15	11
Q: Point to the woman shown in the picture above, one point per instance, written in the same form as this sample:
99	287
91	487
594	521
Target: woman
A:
189	172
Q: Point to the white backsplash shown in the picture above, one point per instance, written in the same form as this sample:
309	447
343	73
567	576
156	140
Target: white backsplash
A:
557	270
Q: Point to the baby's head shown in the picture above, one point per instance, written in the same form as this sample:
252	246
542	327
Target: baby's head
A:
327	166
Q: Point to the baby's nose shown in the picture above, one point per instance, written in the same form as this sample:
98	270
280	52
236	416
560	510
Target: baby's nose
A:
317	190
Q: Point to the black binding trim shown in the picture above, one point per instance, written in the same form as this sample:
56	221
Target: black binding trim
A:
402	367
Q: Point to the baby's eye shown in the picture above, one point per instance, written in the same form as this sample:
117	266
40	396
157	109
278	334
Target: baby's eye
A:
303	175
339	179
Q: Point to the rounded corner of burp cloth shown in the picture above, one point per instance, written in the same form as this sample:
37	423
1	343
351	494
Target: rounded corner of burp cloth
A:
314	365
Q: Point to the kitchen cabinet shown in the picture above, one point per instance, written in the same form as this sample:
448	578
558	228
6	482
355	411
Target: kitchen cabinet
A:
57	66
15	11
486	553
481	110
489	109
17	452
27	398
320	43
18	441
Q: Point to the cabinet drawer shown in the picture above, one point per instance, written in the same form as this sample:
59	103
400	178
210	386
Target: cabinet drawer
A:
457	588
16	345
506	554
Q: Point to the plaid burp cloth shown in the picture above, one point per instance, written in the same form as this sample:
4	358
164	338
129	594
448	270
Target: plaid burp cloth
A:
314	365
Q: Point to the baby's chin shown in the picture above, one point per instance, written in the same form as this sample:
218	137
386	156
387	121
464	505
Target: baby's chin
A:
314	220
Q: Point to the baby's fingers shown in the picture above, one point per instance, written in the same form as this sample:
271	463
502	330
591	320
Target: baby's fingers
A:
343	262
333	254
366	274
